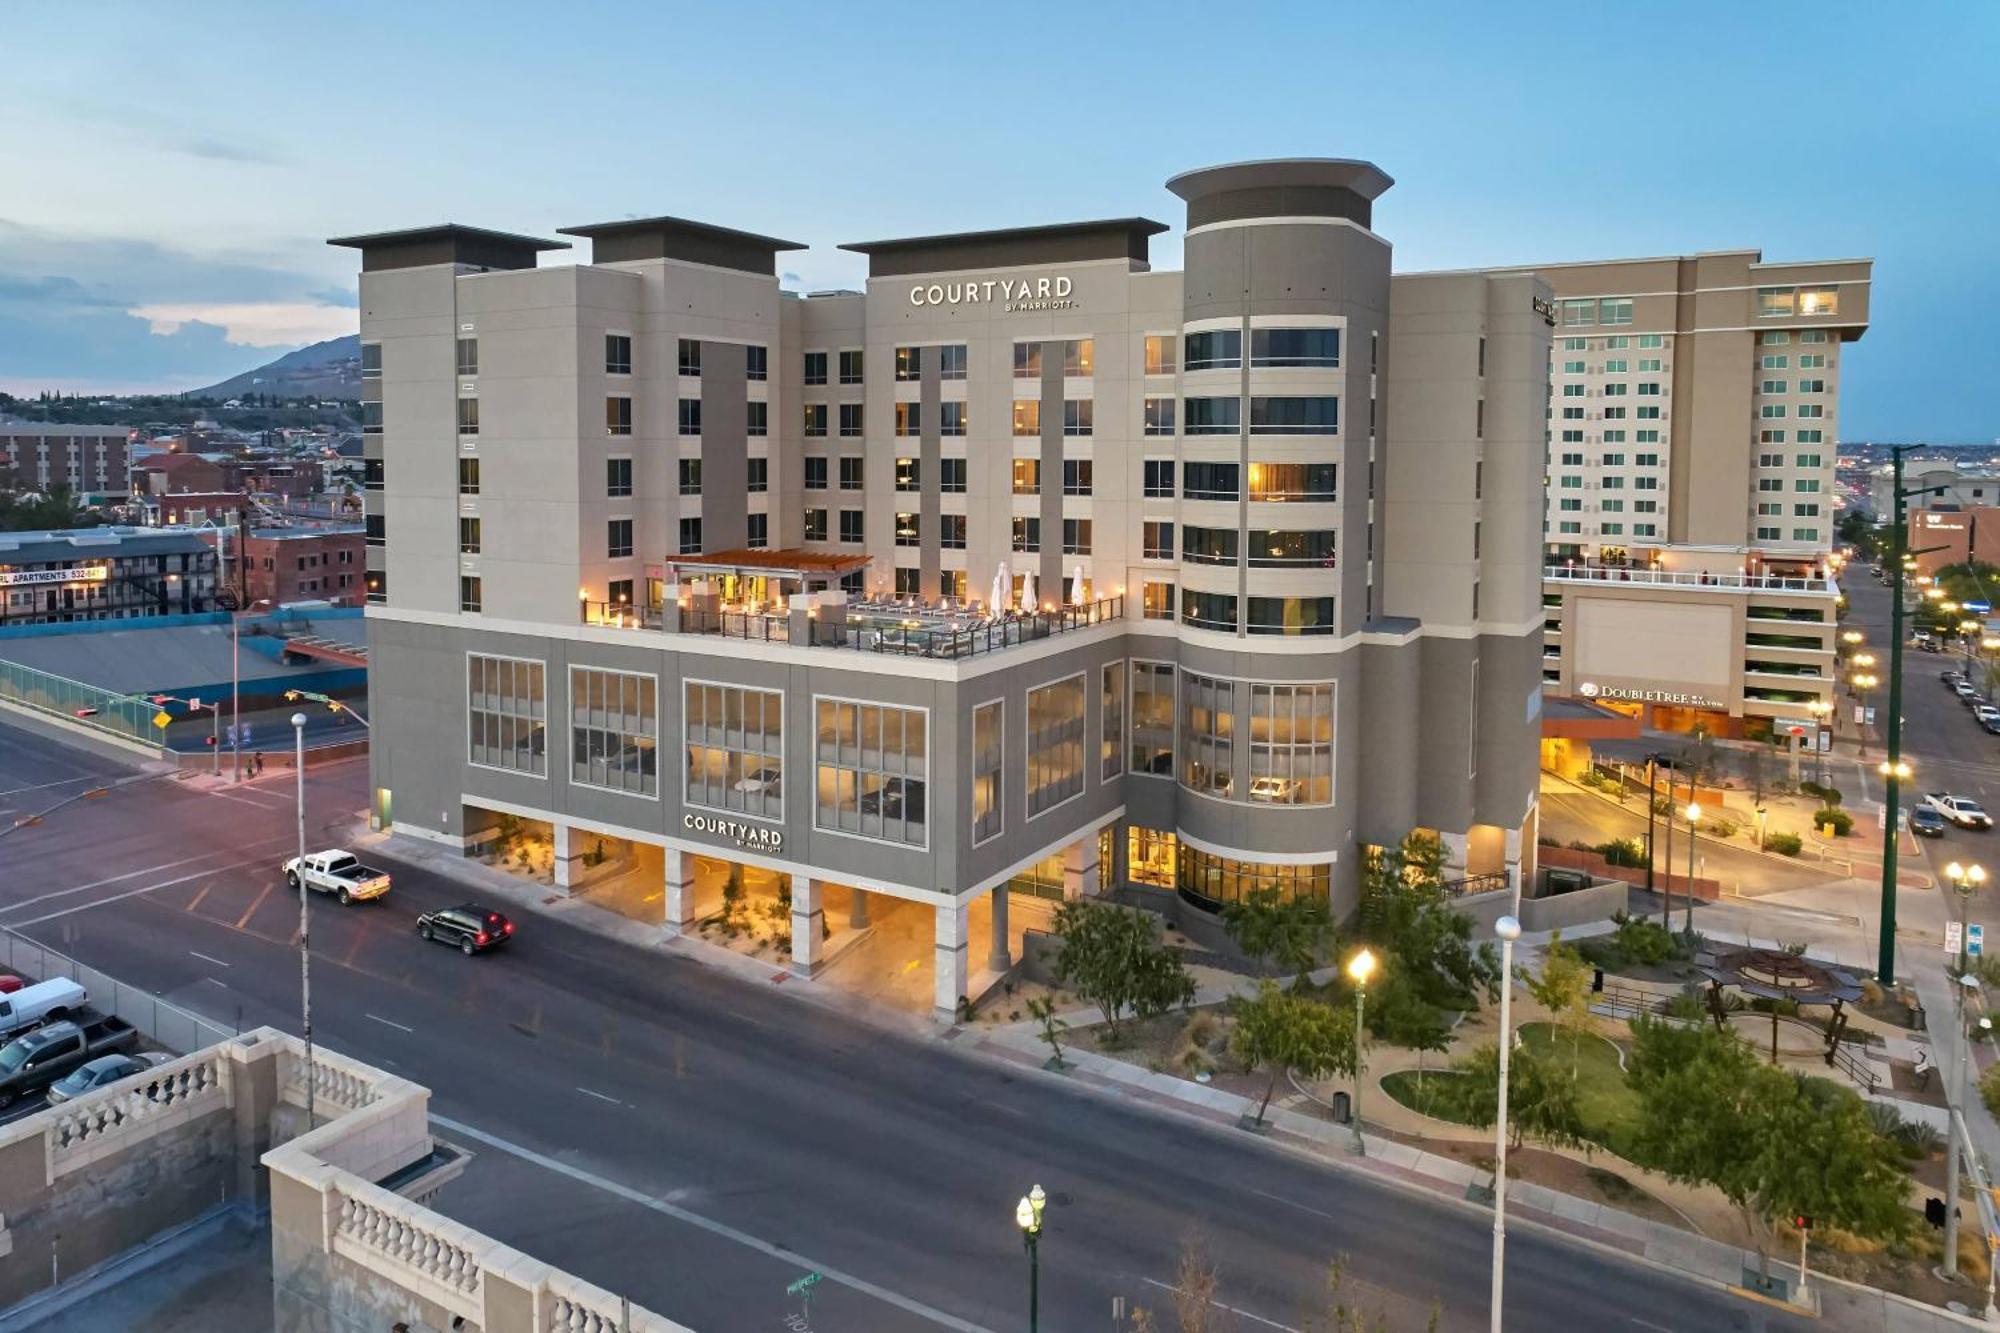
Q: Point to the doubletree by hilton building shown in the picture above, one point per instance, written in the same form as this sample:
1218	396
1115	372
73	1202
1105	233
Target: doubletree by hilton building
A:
1028	571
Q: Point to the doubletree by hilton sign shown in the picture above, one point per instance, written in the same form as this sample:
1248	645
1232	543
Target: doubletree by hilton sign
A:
1590	689
1011	294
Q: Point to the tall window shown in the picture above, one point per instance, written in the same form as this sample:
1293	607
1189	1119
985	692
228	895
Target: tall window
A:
468	356
1076	536
1319	348
371	361
852	473
690	357
951	418
1055	744
617	477
909	363
815	473
1160	353
1208	610
1211	416
815	419
988	749
468	535
909	474
1294	481
1079	416
1077	476
756	475
1219	880
618	415
471	595
1294	416
1027	361
850	420
1208	735
756	418
756	363
468	416
1027	417
468	476
1219	349
1153	718
690	536
690	416
951	362
1027	476
951	476
689	475
618	538
1159	416
506	714
1027	535
872	770
1158	478
1111	715
1080	357
850	366
614	731
852	528
735	748
617	354
909	418
815	368
1291	744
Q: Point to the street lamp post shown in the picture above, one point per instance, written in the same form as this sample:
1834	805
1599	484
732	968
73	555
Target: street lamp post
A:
1509	930
1694	828
1028	1216
1966	881
1968	990
305	912
1360	968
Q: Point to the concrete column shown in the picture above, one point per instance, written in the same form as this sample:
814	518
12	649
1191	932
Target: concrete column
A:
857	912
1457	847
1511	852
950	960
1081	873
569	860
999	958
679	885
808	924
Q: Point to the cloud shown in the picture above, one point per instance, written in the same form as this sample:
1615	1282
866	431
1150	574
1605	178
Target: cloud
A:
346	296
49	291
257	323
221	150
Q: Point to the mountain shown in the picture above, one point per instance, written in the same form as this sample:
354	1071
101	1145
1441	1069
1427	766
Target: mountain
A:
331	369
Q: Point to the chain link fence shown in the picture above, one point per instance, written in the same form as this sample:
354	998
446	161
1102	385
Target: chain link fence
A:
166	1023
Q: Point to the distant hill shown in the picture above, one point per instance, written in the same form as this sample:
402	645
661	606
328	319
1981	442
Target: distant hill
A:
331	369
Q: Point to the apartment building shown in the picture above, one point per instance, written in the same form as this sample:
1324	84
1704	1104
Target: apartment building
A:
1027	571
91	460
1693	420
49	578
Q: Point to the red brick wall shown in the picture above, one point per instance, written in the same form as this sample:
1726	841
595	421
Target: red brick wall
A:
1569	858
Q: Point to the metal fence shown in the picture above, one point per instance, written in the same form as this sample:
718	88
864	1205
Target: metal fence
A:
73	700
165	1022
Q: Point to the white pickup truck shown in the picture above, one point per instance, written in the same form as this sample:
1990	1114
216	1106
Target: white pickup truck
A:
338	873
1960	810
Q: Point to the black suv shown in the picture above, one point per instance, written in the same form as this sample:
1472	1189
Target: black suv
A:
469	926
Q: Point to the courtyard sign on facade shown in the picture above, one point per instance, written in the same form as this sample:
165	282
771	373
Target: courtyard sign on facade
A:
750	837
1590	689
1012	294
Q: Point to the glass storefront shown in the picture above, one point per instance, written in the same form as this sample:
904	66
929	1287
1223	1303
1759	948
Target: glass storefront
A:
1213	882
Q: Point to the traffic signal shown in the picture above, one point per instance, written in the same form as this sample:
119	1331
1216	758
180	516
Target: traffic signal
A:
208	740
163	699
1802	1222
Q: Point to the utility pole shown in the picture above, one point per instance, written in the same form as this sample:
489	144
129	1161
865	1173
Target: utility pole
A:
1650	814
1892	767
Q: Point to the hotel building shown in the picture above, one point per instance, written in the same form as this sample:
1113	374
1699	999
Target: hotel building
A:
91	460
1693	414
1026	571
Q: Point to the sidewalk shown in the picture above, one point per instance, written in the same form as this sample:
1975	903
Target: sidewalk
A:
1019	1047
1844	1304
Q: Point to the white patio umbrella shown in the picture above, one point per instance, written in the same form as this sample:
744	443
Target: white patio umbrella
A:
1028	602
1076	587
997	603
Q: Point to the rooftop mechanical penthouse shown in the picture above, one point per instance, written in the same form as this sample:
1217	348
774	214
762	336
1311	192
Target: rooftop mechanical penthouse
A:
1026	572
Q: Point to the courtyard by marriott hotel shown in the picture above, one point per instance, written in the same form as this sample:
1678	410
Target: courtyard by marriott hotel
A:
1026	572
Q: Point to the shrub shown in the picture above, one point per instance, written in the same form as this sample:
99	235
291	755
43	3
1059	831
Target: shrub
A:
1645	942
1719	828
1829	796
1622	852
1921	1137
1784	844
1989	1089
1836	819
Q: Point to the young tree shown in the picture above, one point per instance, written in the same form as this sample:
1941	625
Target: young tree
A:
1114	958
1398	1015
1542	1100
1042	1008
1295	931
1563	988
1276	1031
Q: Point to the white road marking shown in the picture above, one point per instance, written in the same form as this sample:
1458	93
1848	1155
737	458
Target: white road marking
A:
1331	1217
100	883
132	893
207	959
387	1023
727	1232
600	1096
1647	1323
44	786
1268	1323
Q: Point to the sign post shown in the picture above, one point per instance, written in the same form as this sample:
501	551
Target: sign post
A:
1953	934
1975	940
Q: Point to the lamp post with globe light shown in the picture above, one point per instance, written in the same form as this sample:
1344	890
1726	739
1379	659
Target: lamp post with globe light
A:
1359	969
1028	1216
1965	881
1509	930
1694	828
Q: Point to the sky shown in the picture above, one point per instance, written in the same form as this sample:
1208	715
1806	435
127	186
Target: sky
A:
169	173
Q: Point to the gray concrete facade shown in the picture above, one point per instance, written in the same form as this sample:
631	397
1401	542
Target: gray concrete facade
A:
1353	637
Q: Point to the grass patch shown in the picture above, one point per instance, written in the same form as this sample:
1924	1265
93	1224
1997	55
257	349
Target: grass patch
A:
1441	1097
1609	1110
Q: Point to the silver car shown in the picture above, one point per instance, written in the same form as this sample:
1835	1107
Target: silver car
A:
92	1075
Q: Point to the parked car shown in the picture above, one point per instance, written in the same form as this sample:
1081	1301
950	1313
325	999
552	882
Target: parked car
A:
44	1002
469	926
1992	725
1983	711
338	873
30	1063
761	781
1951	679
1965	690
94	1074
9	983
1926	822
1960	810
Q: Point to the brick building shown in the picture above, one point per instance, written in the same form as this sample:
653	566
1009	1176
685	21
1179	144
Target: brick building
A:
93	461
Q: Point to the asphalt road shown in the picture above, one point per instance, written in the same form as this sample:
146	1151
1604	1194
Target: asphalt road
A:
697	1141
1942	742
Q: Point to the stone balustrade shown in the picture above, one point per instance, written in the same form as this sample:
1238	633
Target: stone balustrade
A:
411	1244
112	1119
338	1082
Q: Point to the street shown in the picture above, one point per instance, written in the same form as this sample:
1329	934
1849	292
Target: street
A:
698	1142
